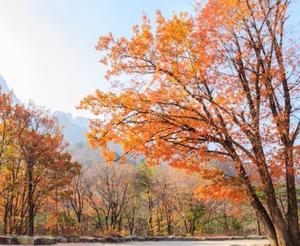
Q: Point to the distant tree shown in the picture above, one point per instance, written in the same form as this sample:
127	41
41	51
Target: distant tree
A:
111	194
145	180
190	208
78	197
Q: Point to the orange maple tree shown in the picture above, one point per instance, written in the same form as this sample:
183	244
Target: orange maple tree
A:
201	90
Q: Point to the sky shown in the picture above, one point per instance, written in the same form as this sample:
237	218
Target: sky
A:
47	47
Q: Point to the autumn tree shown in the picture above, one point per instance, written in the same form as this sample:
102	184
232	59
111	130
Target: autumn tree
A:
35	169
111	189
58	179
188	205
145	180
221	84
165	190
78	197
40	143
7	155
7	112
34	163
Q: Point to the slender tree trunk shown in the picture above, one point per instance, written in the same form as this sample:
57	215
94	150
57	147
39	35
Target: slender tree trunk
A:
158	221
120	225
193	228
258	225
56	212
99	223
30	199
5	220
150	206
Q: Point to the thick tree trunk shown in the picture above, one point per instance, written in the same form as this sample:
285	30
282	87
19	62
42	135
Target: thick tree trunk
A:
284	127
292	210
276	231
276	228
265	219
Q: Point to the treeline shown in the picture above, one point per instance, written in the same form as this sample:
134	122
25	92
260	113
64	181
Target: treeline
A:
43	191
126	199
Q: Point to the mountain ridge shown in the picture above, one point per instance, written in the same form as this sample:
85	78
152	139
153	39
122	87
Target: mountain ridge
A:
5	88
74	129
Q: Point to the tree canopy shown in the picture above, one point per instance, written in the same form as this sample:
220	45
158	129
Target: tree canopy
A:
217	87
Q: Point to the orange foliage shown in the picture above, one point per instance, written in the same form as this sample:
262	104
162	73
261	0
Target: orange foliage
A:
33	165
219	85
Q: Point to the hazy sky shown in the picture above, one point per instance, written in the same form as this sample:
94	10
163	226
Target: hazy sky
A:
47	46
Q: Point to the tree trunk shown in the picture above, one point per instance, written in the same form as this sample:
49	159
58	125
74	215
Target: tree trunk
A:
5	220
258	225
30	199
292	212
158	221
150	207
276	228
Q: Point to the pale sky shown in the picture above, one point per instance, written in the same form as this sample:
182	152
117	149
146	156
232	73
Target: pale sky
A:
47	49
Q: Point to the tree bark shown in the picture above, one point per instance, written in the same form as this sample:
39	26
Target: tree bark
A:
30	199
292	212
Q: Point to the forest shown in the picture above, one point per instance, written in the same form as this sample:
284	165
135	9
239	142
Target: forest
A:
206	103
44	192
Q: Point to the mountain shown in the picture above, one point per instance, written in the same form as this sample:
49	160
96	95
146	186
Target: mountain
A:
4	88
82	153
82	121
74	130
